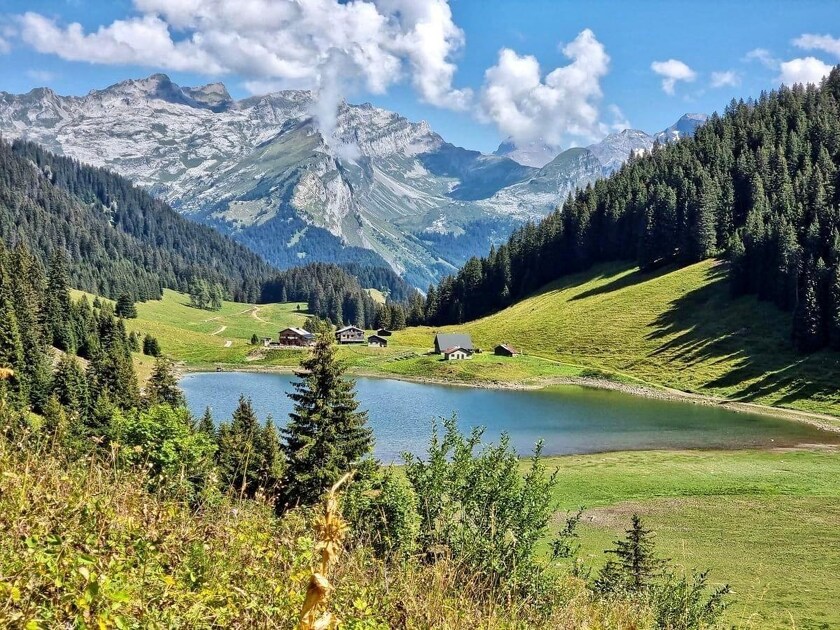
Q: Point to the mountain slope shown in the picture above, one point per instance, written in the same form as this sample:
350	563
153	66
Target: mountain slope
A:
758	183
116	235
377	189
677	327
260	170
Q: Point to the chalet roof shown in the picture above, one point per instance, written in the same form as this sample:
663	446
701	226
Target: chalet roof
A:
508	347
456	348
377	338
451	340
346	328
298	331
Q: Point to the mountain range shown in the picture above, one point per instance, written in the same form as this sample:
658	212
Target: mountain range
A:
374	189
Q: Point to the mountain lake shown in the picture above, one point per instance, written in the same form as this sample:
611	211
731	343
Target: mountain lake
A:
568	419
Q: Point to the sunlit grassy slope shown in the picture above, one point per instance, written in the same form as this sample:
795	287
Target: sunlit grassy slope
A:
764	521
674	327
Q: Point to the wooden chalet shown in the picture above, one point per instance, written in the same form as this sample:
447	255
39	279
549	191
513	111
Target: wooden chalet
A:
456	353
376	341
350	334
384	332
443	341
505	350
297	337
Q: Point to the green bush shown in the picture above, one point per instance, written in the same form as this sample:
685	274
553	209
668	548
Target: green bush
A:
162	438
477	508
383	514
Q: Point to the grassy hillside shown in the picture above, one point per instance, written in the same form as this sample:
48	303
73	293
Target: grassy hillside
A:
677	328
760	520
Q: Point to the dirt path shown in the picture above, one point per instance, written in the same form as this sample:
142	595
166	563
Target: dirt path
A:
228	343
220	331
254	312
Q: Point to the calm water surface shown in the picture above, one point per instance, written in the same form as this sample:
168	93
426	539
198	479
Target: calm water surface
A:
568	419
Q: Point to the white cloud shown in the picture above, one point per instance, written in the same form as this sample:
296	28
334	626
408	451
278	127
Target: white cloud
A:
803	70
672	71
619	120
528	108
762	56
330	46
826	43
44	76
5	46
725	78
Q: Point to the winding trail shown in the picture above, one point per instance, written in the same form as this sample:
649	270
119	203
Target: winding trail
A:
220	331
254	312
228	343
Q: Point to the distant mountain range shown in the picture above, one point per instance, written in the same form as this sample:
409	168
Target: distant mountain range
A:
378	189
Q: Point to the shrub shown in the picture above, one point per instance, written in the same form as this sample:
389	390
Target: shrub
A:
383	513
179	457
478	508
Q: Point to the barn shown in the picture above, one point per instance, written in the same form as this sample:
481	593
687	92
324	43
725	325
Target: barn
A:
375	341
505	350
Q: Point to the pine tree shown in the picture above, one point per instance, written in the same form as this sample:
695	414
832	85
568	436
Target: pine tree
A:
151	347
11	354
58	306
326	436
206	424
834	307
238	456
162	387
808	329
636	564
125	307
70	386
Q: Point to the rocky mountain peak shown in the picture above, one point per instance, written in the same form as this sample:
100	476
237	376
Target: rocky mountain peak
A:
535	153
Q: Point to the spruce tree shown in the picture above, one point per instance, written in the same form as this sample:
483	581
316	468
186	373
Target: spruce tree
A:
238	456
162	388
326	436
636	564
58	306
206	424
70	387
125	307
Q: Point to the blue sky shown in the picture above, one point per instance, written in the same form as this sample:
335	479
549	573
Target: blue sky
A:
429	59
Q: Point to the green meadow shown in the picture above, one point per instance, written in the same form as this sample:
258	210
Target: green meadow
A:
766	522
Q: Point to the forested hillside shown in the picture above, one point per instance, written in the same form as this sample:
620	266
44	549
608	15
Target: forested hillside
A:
117	237
758	184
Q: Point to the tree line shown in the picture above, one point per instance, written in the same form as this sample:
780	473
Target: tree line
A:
759	185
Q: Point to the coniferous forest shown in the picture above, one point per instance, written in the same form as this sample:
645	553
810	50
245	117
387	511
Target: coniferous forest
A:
758	185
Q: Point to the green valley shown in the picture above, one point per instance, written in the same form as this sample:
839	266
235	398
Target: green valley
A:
676	328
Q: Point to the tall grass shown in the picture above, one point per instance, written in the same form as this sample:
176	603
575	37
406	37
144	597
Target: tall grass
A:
83	543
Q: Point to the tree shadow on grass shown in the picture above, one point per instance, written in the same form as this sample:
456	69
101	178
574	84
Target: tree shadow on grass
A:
635	277
706	326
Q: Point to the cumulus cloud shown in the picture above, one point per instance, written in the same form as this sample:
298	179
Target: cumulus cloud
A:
326	45
5	47
725	78
825	43
762	56
671	71
528	108
803	70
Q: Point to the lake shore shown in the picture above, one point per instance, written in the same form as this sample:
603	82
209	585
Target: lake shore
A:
822	421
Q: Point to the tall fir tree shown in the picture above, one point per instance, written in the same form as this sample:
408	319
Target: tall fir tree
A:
162	387
327	435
